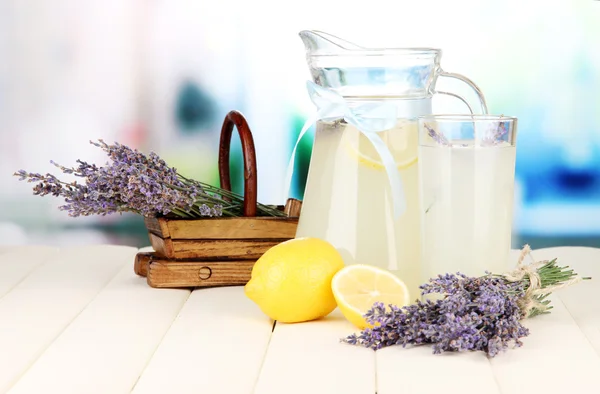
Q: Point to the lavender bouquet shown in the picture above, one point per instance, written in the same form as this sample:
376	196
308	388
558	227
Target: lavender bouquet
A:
134	182
474	313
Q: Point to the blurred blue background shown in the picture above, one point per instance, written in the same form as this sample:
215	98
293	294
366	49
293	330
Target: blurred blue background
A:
161	75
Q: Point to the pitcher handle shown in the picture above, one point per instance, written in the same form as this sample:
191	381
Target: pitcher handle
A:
471	84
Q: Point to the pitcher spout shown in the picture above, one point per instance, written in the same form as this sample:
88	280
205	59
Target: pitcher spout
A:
321	43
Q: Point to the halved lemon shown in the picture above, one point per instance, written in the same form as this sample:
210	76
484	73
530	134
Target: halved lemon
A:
402	141
357	287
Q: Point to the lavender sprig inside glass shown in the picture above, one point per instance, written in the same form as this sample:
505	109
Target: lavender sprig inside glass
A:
134	182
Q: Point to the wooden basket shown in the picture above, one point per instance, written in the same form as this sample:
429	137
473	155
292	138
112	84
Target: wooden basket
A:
217	251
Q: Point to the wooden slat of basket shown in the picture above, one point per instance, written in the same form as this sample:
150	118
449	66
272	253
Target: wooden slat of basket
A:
224	228
162	246
293	207
183	274
227	248
212	249
157	226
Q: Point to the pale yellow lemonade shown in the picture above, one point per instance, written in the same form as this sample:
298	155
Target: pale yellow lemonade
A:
468	203
350	203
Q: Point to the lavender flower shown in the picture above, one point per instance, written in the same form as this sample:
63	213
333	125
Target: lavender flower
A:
134	182
474	313
437	137
495	133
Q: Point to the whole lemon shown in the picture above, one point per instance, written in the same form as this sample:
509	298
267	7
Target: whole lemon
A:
291	282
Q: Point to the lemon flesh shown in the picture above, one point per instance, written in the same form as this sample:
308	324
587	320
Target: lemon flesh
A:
291	282
402	141
357	287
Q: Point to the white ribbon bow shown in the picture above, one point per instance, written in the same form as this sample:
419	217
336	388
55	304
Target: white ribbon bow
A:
369	119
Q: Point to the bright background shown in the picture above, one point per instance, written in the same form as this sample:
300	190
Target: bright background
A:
161	75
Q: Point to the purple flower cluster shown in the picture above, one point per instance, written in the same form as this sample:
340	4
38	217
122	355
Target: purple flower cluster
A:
475	314
132	182
437	137
495	133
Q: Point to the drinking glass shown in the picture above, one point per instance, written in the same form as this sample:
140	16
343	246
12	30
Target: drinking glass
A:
466	182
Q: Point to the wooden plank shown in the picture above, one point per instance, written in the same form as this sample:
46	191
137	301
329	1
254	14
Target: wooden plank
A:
212	249
163	247
293	207
231	228
19	262
6	249
38	309
142	261
222	248
216	345
106	348
416	370
555	358
169	273
158	227
309	358
582	300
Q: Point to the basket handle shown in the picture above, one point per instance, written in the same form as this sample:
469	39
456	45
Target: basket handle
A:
235	118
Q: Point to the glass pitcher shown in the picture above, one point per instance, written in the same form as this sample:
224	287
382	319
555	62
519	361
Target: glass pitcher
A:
350	198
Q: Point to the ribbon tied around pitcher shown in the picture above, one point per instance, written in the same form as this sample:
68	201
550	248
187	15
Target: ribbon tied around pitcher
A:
369	119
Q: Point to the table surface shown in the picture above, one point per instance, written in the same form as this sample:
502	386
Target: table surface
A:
78	320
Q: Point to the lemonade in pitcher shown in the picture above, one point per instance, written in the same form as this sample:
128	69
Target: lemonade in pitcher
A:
349	200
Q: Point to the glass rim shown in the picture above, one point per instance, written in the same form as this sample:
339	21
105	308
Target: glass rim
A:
468	118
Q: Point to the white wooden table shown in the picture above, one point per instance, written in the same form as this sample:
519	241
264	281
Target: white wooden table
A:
80	321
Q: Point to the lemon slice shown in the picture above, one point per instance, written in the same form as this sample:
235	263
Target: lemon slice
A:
402	141
357	287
